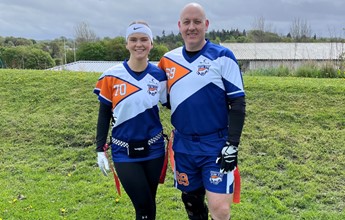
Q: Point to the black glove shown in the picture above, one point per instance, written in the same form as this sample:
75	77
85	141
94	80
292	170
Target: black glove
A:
227	158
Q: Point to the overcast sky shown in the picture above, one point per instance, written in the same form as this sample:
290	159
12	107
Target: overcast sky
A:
51	19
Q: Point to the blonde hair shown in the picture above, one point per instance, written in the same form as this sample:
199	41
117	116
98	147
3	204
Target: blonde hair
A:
139	22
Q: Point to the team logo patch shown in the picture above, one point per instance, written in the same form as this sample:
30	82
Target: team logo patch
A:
216	177
152	87
203	68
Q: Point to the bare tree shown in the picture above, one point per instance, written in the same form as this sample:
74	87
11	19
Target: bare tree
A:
261	31
300	30
83	33
259	24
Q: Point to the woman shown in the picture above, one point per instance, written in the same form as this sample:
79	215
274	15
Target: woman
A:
129	94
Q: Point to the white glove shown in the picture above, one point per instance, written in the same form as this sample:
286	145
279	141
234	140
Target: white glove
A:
227	158
103	163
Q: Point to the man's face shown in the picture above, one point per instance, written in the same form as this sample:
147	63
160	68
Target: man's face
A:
193	26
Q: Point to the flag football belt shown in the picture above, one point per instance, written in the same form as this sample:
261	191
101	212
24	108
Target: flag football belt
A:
126	144
218	134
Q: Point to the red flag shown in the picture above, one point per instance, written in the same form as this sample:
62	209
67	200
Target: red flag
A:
116	178
165	165
117	181
171	152
237	187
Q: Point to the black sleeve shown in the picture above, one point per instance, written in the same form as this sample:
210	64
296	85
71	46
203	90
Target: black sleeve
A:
168	102
104	116
236	116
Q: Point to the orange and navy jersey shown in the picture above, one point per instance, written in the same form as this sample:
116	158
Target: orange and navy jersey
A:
199	88
134	99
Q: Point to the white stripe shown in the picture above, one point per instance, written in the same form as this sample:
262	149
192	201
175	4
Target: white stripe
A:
232	93
229	181
175	182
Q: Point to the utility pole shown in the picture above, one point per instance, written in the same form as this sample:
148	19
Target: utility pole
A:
74	51
64	49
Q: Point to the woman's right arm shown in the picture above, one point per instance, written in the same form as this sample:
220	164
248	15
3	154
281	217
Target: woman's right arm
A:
104	116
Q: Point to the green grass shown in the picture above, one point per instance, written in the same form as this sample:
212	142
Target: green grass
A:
309	69
292	158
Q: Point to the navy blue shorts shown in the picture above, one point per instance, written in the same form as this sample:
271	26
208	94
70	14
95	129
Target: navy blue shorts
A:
195	171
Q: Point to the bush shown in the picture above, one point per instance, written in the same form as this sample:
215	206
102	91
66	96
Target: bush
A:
341	73
23	57
313	71
308	70
280	71
328	71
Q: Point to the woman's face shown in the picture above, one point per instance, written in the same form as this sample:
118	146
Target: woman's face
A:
139	46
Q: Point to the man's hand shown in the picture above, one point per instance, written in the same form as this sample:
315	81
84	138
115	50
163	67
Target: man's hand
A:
103	163
227	158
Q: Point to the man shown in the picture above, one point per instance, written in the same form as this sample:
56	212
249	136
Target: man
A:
207	110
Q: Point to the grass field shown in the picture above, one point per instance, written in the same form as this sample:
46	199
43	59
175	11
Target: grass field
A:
292	156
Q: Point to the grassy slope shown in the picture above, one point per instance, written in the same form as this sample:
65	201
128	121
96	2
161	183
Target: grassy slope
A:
292	157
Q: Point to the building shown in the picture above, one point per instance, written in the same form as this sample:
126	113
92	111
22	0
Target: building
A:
292	55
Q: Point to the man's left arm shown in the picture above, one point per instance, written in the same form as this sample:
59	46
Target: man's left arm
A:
236	117
227	158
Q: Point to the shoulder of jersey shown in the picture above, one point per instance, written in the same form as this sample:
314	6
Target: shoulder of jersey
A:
157	73
174	51
114	70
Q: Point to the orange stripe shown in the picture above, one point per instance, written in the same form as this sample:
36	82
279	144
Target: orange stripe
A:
121	90
171	152
173	70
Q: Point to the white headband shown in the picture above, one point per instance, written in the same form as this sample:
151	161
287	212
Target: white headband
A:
139	28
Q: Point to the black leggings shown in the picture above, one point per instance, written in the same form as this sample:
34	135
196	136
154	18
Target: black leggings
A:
140	181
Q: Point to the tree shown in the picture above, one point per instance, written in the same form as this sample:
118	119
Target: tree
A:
259	24
56	49
157	52
18	41
260	30
115	49
38	59
25	57
2	41
300	30
242	39
83	33
91	51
